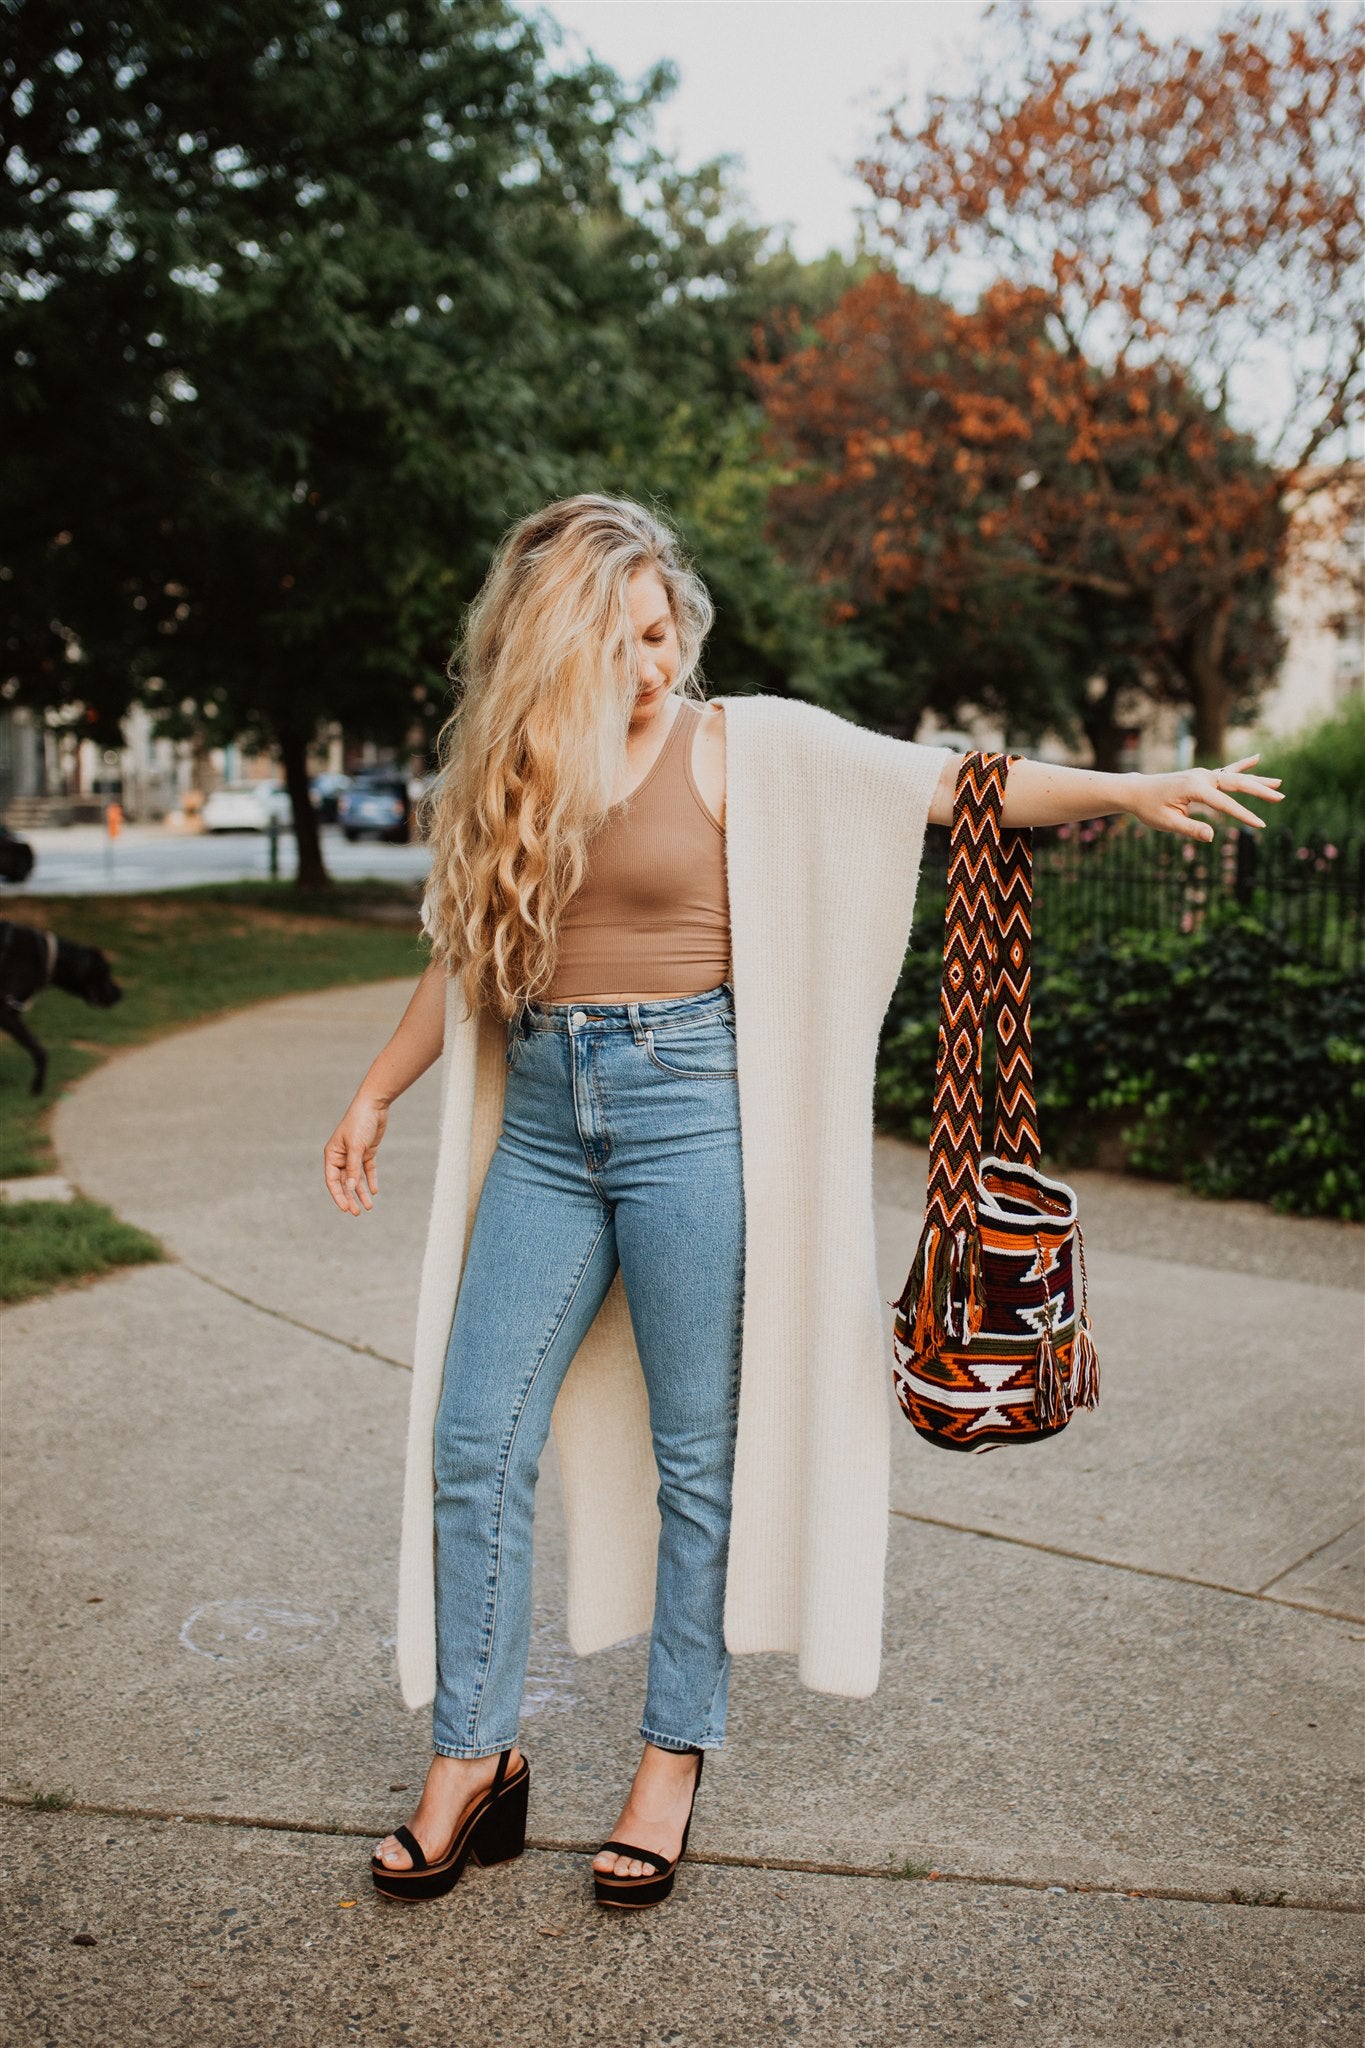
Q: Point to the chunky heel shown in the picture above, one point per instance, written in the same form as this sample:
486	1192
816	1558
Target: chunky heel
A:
492	1831
657	1882
501	1834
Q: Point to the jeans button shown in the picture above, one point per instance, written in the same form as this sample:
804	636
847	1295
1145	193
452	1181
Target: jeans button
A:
578	1017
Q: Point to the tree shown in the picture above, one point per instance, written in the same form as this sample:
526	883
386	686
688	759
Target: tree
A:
1016	519
344	270
1177	209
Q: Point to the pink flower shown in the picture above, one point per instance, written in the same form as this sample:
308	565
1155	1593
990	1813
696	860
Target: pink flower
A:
1301	853
1330	852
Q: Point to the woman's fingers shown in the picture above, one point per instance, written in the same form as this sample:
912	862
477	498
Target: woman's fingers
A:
334	1172
1255	785
1222	801
1173	819
350	1174
348	1157
358	1177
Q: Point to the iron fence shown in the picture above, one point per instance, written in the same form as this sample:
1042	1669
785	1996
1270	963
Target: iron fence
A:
1093	881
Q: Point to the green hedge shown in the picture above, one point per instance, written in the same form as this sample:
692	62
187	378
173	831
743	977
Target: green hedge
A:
1223	1059
1323	774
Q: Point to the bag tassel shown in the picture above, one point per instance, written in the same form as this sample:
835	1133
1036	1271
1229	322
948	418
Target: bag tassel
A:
973	1287
1047	1392
941	1275
923	1301
1085	1364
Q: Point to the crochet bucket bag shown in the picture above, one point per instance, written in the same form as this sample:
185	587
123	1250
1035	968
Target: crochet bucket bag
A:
990	1344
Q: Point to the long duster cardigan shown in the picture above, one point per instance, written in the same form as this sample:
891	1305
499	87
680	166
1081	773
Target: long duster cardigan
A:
824	833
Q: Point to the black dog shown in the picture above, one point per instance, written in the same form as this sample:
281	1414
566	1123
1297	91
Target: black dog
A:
31	961
16	857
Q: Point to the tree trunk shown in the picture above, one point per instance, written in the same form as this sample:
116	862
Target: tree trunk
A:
294	755
1209	693
1101	728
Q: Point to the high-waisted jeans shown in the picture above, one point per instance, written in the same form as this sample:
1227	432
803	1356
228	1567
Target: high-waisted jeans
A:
620	1146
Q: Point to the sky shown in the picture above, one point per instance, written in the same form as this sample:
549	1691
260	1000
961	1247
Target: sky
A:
796	87
797	90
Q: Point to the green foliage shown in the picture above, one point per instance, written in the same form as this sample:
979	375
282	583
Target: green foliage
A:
364	285
44	1244
1224	1059
1323	775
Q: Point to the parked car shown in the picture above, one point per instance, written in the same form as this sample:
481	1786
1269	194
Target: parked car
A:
246	807
326	791
16	857
376	806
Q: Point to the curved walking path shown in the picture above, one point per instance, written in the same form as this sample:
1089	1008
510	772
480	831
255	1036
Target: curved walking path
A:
1119	1664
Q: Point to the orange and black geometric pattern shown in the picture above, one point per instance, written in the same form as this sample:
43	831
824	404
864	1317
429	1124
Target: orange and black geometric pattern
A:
990	1344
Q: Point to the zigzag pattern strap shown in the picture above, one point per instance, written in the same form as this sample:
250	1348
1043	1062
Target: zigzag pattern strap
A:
968	974
1016	1109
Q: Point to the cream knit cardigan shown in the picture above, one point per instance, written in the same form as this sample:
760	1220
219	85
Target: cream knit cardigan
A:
824	831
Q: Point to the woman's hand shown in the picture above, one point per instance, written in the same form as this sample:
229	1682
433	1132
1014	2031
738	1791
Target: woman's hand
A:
1166	801
348	1155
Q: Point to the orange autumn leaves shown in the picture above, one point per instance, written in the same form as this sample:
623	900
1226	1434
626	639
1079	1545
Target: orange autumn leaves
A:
1163	183
1160	225
939	448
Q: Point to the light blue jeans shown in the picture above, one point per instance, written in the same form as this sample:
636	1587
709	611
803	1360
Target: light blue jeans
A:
620	1146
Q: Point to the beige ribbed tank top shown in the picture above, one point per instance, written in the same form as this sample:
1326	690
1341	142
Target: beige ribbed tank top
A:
653	910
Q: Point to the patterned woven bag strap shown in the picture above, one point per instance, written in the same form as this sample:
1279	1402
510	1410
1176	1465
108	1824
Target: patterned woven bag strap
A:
1016	1107
986	963
969	949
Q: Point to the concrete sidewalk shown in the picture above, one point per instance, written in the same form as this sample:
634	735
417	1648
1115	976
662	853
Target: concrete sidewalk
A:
1119	1715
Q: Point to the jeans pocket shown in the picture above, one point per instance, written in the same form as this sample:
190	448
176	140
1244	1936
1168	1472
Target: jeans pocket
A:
694	1052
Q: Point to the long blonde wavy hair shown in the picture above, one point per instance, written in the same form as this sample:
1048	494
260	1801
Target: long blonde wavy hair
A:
546	676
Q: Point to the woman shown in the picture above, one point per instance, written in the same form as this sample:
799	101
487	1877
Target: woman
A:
653	920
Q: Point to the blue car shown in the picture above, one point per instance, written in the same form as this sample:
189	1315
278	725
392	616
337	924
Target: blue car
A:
375	807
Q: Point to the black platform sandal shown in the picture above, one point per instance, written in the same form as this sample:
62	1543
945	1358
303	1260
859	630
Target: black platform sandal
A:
655	1884
493	1831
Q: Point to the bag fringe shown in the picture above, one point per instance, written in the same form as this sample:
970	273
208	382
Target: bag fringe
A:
1048	1397
1085	1367
1085	1363
973	1288
924	1299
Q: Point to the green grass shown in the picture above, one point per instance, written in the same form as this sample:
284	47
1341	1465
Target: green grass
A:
46	1244
180	956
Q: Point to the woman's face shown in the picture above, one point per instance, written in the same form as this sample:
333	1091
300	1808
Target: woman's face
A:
656	644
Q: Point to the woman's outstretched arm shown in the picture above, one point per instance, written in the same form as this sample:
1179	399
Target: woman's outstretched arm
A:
1038	793
349	1154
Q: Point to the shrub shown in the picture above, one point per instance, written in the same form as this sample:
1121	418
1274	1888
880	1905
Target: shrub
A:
1323	776
1227	1061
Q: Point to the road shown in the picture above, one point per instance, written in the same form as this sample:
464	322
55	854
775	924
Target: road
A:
80	860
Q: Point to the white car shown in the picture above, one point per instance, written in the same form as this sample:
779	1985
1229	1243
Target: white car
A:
246	807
